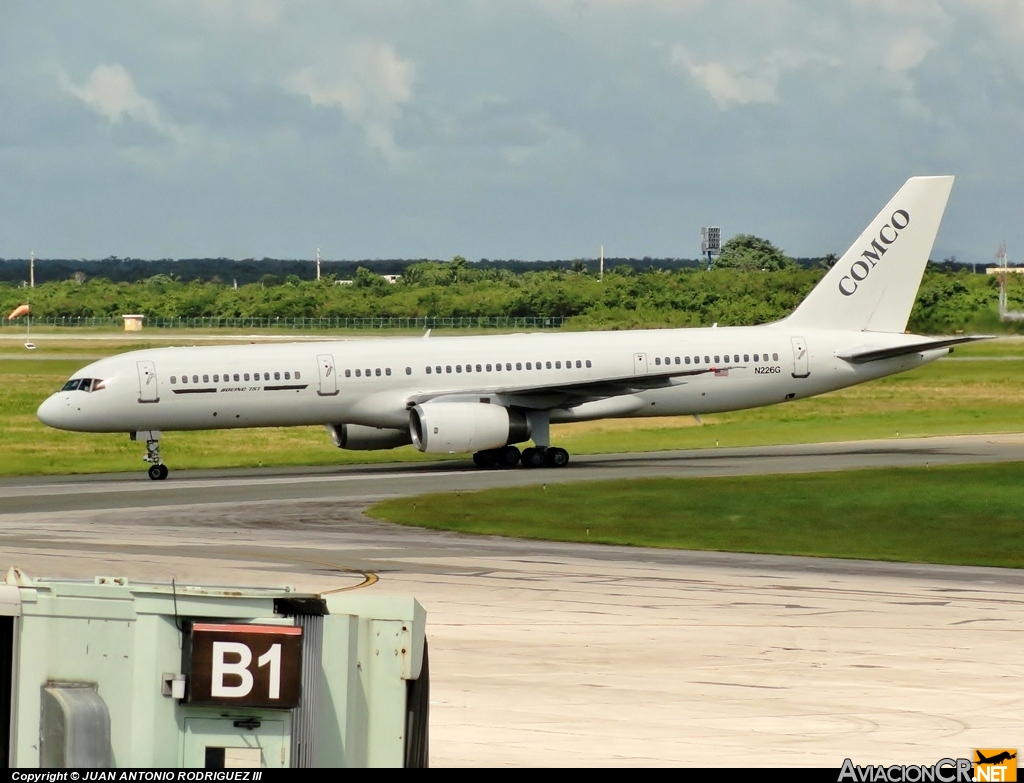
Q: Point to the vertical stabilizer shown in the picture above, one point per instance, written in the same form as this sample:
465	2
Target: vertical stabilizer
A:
873	286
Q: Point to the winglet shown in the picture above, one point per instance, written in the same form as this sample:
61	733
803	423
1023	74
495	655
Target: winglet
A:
873	286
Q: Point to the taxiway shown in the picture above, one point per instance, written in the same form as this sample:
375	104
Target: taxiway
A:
561	654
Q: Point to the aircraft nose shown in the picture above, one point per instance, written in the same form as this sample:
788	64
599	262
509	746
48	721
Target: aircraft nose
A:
55	411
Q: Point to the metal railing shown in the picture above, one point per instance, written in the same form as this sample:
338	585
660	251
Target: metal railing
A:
217	322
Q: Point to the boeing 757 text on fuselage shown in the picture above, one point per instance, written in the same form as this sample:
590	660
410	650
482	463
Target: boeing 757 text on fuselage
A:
484	394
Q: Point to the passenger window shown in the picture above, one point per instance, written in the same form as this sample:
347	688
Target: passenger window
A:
448	368
579	364
174	380
488	368
195	379
508	366
775	357
428	369
756	357
548	365
277	376
266	376
478	369
746	358
558	365
438	369
236	376
387	371
287	376
687	359
369	372
707	360
717	360
528	367
519	366
736	358
359	373
216	379
657	360
348	373
298	375
408	370
377	372
458	368
588	363
469	368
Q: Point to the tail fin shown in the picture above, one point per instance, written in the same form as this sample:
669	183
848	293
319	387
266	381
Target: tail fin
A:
873	286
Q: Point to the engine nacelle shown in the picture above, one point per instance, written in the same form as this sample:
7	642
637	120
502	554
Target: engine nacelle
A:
356	437
455	427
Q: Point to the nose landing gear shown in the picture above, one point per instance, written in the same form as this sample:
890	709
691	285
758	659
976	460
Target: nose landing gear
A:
157	470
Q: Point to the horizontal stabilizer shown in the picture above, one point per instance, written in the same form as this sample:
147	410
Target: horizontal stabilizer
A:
865	355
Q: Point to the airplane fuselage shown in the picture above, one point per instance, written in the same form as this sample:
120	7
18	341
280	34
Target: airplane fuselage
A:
372	382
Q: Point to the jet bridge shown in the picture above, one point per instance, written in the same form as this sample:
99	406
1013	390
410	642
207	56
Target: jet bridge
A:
109	673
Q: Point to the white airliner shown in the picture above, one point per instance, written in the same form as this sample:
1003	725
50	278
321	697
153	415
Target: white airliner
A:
483	394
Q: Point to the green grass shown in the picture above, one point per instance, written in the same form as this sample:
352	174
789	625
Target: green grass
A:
982	395
962	515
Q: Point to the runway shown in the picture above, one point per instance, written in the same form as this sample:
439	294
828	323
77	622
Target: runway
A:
559	654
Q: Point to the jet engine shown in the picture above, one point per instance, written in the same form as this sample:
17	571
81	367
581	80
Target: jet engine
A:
456	427
357	437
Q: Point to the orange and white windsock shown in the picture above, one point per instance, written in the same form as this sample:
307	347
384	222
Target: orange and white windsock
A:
18	311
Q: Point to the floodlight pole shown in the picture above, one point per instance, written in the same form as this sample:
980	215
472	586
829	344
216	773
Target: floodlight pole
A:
318	263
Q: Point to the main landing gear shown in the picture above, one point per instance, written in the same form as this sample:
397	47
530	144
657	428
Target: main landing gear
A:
533	457
541	455
157	470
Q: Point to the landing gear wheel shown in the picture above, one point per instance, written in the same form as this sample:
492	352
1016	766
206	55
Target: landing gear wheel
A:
158	472
486	459
533	458
508	457
556	458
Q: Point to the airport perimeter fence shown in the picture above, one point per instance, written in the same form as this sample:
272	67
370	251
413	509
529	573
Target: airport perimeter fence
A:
211	322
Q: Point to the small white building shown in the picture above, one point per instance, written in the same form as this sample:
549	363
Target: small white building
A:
133	323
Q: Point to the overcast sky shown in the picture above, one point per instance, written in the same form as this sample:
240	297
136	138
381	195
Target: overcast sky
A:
507	129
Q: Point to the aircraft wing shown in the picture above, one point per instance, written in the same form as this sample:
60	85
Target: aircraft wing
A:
553	394
869	354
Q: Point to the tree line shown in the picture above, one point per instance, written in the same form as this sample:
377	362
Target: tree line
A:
750	292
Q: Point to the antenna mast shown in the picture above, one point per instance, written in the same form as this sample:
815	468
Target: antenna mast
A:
318	263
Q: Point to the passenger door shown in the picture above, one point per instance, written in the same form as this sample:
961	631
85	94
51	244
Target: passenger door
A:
328	376
801	359
147	382
640	364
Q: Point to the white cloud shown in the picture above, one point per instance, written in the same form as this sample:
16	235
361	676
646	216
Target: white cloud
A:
369	82
908	50
737	85
110	91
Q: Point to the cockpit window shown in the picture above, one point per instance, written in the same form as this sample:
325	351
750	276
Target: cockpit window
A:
83	384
